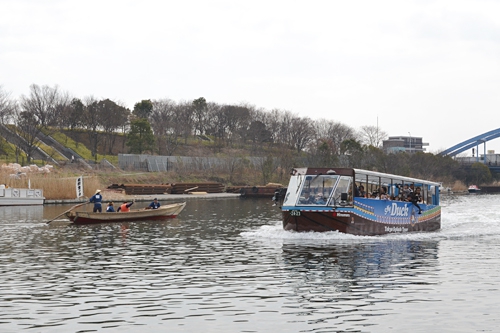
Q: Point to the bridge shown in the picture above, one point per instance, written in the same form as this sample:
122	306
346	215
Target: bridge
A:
491	160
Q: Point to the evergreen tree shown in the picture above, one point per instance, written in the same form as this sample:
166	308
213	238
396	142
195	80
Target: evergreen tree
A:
143	108
140	138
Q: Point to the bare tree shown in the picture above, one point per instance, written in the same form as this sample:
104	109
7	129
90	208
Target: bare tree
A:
42	102
333	133
234	119
338	133
285	129
272	122
61	107
258	134
216	126
28	127
184	115
258	115
91	122
372	136
7	106
166	129
7	111
211	125
301	133
249	115
113	117
322	153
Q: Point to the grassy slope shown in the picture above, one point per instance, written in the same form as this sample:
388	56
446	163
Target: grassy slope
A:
81	149
78	140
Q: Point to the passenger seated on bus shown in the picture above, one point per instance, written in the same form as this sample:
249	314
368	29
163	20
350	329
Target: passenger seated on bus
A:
356	190
361	191
319	200
383	193
306	199
405	193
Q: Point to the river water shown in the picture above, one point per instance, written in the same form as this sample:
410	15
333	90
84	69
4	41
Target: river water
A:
226	265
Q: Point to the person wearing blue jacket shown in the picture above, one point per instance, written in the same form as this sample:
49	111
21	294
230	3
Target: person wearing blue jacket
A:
110	208
96	200
154	205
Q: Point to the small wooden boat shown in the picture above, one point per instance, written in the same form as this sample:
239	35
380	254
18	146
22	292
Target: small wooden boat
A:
164	212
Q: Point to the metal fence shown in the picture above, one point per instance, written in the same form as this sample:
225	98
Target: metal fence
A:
152	163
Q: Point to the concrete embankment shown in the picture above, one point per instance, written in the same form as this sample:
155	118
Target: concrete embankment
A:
116	197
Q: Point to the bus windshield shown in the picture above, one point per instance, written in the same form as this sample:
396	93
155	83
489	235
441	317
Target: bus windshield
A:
317	189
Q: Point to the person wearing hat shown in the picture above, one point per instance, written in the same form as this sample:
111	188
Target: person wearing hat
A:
154	205
97	199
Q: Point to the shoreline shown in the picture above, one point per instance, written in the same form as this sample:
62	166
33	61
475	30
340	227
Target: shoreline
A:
120	197
143	198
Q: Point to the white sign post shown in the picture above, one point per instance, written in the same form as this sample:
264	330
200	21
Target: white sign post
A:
79	187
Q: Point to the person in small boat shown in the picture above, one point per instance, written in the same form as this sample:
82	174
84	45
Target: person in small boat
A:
96	199
415	198
110	208
125	207
154	205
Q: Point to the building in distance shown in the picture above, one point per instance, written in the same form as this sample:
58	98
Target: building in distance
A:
409	144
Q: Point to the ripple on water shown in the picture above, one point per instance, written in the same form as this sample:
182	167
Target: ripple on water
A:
223	268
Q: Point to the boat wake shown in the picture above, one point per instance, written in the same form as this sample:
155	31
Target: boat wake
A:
463	217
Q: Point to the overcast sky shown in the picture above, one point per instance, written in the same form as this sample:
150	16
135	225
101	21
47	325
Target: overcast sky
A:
428	68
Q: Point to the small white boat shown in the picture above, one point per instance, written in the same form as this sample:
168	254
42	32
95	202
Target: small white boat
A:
474	189
444	190
11	196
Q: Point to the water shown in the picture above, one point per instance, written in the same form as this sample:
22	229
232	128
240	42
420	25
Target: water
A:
226	265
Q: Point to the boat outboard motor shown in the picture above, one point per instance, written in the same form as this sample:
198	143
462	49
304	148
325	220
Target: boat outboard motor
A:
278	195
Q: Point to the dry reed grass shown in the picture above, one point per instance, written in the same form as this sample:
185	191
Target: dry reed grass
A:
54	185
60	185
458	186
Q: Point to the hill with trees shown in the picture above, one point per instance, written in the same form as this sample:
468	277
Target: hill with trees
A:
104	128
